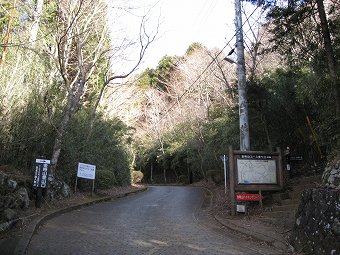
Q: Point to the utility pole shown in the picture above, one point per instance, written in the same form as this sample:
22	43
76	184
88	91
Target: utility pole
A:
241	76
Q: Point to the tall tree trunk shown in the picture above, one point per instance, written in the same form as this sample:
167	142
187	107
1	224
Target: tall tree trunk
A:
36	19
7	35
330	56
71	107
59	136
163	153
92	116
265	125
201	166
151	172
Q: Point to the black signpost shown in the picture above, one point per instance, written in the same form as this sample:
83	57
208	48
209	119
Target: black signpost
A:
41	169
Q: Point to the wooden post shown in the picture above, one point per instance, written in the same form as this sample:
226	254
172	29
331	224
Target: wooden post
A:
280	168
38	197
92	188
242	80
75	186
232	182
261	205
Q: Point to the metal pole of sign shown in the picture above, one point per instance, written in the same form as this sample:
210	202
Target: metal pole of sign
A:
75	185
232	182
225	173
224	158
261	205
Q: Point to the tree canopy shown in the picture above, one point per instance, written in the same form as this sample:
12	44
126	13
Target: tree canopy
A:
61	98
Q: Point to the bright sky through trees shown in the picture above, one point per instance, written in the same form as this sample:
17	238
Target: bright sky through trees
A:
181	23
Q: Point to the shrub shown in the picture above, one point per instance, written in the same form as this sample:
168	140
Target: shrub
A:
137	176
105	179
183	178
216	176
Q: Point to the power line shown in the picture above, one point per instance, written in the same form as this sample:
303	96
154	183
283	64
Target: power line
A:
207	67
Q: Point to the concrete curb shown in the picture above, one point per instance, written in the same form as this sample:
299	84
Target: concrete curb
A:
210	200
24	241
257	235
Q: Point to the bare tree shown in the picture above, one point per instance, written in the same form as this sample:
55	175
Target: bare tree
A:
155	109
82	41
188	96
144	40
205	87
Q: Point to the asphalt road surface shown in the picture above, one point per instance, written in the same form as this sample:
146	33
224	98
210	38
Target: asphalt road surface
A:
162	220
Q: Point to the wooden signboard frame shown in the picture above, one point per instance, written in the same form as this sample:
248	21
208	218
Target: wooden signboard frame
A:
266	160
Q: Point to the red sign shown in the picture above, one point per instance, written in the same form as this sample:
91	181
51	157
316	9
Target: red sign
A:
248	197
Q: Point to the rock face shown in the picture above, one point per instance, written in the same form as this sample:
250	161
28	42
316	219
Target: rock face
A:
22	198
317	226
9	214
57	189
331	175
12	198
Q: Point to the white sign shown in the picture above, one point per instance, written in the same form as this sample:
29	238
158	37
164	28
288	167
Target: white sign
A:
86	171
256	171
42	161
241	208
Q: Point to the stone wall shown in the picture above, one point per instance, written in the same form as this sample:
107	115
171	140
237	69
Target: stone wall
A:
331	176
13	197
317	227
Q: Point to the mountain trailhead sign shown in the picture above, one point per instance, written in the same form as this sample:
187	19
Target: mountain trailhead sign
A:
254	171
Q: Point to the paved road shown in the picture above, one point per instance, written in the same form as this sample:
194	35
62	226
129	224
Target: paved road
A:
162	220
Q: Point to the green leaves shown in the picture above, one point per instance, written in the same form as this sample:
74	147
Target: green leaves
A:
159	77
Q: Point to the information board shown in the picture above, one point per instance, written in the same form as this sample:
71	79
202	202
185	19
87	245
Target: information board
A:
253	171
86	171
256	171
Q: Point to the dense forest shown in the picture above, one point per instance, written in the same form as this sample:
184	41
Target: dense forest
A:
64	96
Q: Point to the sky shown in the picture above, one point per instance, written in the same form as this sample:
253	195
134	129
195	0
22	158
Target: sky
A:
181	23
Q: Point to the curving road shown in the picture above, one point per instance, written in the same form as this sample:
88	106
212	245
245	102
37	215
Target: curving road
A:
162	220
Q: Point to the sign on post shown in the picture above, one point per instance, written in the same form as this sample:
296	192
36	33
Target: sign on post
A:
257	170
86	171
41	169
254	171
248	197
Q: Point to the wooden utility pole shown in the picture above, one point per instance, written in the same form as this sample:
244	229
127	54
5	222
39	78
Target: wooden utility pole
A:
241	76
